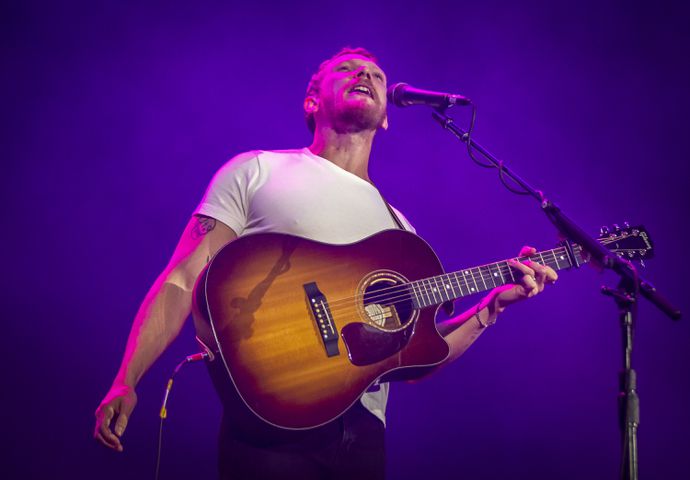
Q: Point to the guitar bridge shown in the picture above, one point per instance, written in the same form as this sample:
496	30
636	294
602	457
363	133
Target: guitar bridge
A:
323	318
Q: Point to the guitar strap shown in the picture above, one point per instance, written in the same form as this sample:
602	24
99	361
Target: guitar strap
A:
448	307
376	386
396	219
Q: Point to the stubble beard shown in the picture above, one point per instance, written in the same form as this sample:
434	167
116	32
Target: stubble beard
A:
355	119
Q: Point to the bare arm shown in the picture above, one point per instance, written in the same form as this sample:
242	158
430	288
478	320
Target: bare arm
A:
158	322
461	331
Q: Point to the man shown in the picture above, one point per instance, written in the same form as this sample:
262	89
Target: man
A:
322	192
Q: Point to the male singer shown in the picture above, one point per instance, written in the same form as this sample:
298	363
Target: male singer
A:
322	192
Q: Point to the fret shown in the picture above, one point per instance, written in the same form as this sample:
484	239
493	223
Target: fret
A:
482	277
553	252
564	258
510	270
578	251
462	294
492	275
467	285
416	295
424	293
452	287
429	292
500	272
439	288
554	263
542	258
444	287
433	291
475	289
436	289
450	290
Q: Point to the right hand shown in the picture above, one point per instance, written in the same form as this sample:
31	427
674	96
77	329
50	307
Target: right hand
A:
118	405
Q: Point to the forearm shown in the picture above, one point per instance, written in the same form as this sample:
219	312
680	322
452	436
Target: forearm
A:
169	301
157	323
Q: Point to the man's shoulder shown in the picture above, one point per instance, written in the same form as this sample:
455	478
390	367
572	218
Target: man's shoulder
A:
281	155
267	156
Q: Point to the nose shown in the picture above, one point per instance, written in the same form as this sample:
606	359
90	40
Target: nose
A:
363	71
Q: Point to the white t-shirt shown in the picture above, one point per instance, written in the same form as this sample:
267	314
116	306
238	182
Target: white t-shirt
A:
299	193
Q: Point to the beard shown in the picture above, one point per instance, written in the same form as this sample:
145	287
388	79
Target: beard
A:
359	117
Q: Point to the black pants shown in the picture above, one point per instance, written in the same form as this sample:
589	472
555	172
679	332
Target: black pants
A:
350	447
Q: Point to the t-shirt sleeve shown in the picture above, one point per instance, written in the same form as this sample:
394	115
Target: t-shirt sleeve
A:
227	196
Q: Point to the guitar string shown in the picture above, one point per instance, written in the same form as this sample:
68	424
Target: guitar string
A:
381	294
476	276
408	291
430	285
433	287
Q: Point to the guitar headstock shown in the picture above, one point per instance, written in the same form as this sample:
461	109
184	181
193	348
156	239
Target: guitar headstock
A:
628	242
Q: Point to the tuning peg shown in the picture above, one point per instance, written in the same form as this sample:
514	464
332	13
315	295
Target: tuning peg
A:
642	263
616	228
604	230
626	225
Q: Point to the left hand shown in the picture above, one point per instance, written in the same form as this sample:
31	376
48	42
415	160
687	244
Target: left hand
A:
534	278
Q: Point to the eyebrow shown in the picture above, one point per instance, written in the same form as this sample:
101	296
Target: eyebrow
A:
349	62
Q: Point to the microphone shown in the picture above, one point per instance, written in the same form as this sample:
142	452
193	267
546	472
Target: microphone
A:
404	95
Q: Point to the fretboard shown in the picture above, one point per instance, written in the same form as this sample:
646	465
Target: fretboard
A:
450	286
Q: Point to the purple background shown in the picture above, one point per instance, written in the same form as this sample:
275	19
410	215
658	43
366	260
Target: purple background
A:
117	115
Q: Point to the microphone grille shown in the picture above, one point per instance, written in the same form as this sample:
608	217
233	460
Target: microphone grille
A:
394	92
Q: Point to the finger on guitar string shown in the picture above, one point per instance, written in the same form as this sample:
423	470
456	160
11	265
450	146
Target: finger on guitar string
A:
527	279
543	274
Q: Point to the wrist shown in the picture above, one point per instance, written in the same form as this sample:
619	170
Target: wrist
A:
487	310
125	380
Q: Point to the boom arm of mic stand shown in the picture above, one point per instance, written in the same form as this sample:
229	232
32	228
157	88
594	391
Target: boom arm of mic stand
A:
566	226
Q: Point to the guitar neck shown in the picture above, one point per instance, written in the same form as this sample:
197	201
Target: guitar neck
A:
450	286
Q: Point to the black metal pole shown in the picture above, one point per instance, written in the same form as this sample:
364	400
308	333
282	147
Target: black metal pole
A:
631	286
628	399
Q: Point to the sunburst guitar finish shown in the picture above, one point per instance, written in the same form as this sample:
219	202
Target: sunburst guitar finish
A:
304	328
270	335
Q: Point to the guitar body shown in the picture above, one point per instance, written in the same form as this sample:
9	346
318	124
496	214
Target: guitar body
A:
253	308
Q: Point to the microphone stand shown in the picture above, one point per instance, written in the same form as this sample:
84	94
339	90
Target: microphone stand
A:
631	285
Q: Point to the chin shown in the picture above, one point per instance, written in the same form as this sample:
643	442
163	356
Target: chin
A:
360	119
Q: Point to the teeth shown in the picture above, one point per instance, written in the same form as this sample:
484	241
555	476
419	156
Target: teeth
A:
362	89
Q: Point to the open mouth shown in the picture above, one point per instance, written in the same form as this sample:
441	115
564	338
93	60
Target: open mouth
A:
362	90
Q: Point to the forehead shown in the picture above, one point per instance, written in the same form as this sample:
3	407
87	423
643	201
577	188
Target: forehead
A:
354	59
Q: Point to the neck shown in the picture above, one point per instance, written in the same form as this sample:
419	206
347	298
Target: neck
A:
350	151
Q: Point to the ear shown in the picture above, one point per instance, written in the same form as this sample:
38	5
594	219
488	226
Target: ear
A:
311	104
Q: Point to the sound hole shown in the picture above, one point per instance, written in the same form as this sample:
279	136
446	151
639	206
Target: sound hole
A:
388	303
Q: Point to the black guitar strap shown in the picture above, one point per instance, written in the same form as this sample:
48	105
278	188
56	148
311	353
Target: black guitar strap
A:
396	219
448	307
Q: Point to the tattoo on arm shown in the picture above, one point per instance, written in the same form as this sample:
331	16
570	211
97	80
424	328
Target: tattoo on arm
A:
203	226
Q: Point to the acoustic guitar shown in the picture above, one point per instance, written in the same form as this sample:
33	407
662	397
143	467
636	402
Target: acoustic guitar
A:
304	328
